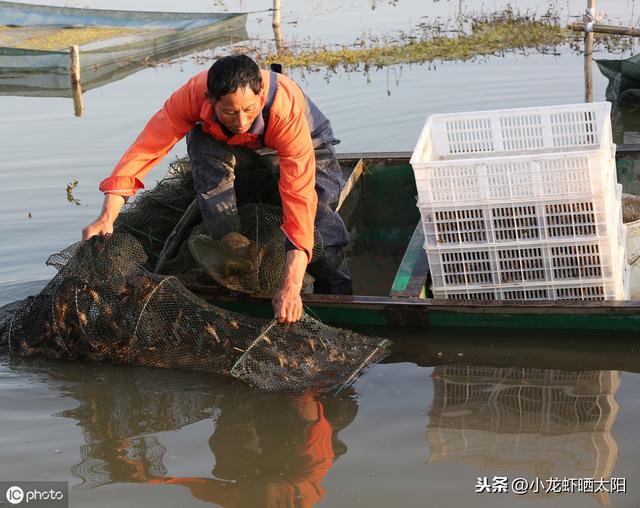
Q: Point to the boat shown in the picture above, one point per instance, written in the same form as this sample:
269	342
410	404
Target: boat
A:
35	40
387	241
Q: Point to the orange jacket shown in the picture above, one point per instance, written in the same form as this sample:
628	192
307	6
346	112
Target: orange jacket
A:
287	133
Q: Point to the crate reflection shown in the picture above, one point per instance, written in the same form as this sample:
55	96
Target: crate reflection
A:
526	422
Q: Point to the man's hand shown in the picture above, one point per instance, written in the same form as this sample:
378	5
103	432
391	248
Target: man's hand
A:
97	227
103	225
287	304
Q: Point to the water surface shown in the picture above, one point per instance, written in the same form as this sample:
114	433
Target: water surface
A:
417	430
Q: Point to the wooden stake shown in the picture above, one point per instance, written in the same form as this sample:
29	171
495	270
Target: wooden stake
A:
276	13
588	55
276	25
76	85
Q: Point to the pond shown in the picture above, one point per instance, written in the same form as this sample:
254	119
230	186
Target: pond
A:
424	428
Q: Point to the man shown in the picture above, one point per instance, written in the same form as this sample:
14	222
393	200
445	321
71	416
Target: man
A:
230	114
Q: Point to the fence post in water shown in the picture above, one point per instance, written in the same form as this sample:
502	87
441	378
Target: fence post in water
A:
276	25
76	85
590	16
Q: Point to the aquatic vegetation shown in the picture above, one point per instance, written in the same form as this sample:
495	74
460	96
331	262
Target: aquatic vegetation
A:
486	39
71	186
464	38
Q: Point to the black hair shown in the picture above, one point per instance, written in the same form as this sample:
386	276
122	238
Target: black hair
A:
229	73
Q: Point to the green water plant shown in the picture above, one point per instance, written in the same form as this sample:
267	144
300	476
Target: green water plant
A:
463	38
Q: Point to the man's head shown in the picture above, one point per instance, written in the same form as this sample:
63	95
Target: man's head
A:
234	87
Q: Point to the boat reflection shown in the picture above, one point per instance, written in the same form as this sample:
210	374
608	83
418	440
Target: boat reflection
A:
267	449
525	422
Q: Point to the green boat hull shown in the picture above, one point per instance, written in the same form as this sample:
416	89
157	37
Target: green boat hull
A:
389	279
390	312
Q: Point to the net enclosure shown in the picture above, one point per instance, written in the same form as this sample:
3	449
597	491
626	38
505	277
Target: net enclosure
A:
624	79
107	304
35	40
241	252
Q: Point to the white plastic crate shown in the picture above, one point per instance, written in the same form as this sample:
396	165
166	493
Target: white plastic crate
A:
515	154
531	263
522	204
557	272
626	287
607	289
586	218
585	126
508	179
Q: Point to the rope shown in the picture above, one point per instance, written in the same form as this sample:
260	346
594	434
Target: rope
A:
135	330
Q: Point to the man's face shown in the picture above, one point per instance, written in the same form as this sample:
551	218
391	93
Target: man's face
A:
238	110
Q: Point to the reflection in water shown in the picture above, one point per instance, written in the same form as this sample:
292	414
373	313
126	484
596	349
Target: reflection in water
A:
273	459
522	421
268	449
53	81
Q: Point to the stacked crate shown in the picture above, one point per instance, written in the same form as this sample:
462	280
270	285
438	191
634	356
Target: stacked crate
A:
522	204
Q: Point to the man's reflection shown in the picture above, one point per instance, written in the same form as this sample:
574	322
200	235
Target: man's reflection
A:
272	462
269	449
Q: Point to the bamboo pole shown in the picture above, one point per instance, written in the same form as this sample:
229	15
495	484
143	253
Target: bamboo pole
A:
606	29
76	85
588	53
276	25
276	13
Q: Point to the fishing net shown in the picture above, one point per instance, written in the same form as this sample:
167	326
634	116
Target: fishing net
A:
104	305
246	251
241	251
624	80
151	217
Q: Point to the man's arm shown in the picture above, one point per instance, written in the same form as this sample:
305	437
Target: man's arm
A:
162	132
287	304
292	140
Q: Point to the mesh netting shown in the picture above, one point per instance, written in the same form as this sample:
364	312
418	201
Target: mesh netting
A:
151	217
246	252
102	465
241	251
103	305
278	358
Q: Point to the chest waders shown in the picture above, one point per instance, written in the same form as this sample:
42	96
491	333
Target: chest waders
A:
226	176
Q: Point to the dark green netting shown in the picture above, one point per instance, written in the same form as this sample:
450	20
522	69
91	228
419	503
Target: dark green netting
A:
107	304
624	80
103	305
